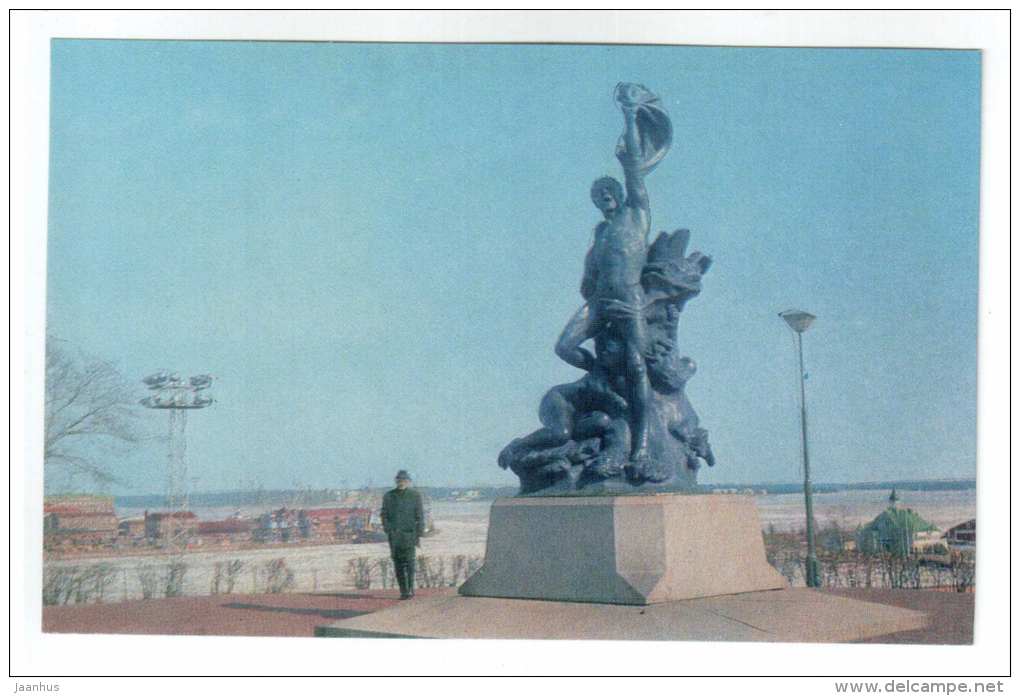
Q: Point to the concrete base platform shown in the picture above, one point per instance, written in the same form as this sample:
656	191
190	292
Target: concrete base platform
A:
623	549
792	615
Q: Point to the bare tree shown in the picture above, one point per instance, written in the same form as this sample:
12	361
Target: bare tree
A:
103	576
386	573
174	579
431	571
359	572
233	571
148	578
217	579
279	576
458	568
58	584
962	571
89	406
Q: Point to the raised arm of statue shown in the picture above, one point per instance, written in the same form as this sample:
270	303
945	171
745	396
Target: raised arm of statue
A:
647	137
631	157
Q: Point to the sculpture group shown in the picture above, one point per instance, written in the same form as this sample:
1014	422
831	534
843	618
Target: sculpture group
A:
626	425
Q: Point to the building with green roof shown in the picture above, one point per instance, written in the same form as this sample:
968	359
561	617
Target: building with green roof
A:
893	531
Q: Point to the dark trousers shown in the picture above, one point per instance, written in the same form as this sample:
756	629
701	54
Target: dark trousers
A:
403	566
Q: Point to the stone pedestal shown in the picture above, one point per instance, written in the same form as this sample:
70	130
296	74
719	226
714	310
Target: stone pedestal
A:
623	550
697	560
797	615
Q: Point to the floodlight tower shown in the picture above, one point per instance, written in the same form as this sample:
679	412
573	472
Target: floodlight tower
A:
177	397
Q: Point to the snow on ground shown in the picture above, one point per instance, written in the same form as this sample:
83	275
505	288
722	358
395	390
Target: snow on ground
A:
462	529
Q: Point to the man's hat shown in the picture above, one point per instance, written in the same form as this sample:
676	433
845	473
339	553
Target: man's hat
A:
402	475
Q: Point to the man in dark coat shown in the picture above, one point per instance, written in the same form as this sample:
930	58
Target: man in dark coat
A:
403	518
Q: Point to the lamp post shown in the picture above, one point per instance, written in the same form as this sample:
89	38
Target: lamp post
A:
799	322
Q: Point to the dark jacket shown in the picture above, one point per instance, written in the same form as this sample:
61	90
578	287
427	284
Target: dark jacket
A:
403	516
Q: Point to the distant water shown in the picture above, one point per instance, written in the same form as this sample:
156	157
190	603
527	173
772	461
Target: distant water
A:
850	508
786	511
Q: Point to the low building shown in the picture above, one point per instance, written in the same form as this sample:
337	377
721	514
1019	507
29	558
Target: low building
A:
160	525
895	530
225	532
929	546
78	504
962	535
281	525
132	529
79	521
312	524
329	524
79	529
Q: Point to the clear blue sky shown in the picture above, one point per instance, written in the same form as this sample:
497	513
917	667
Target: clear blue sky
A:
374	247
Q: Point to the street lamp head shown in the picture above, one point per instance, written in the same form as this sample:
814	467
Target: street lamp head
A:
798	321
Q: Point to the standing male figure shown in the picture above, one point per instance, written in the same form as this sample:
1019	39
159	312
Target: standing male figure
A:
613	266
403	518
